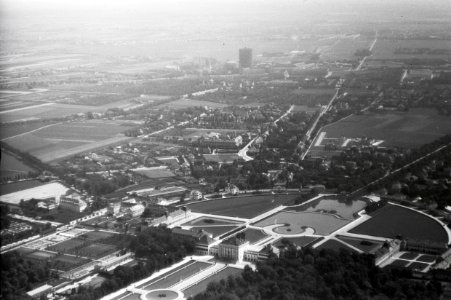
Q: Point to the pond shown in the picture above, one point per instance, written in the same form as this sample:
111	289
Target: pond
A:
345	210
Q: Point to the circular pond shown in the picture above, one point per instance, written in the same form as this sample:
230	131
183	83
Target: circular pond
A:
292	229
162	295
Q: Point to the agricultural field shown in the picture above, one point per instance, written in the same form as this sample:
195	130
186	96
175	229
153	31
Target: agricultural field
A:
10	166
57	141
202	286
242	207
185	103
392	220
397	129
385	49
345	48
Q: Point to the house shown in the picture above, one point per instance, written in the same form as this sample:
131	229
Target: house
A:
73	202
196	195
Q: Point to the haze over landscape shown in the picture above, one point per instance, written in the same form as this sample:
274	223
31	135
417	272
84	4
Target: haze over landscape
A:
242	149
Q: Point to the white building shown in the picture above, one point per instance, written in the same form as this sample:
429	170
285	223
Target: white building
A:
135	210
73	202
196	195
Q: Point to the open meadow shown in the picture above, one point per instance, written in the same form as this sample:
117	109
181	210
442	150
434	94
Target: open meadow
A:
243	206
398	129
60	140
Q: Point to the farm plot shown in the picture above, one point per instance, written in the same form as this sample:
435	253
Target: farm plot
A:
64	139
408	49
185	103
11	166
392	220
242	207
403	129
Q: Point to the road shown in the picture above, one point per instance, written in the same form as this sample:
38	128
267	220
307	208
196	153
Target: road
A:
400	169
364	59
284	115
243	152
322	112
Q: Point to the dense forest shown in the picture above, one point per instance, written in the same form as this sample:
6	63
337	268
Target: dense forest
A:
19	275
325	274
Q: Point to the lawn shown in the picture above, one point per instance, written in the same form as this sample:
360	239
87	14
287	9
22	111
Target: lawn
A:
334	245
254	235
322	224
242	207
301	241
404	129
165	274
207	221
393	220
409	255
202	286
174	277
427	258
367	246
217	230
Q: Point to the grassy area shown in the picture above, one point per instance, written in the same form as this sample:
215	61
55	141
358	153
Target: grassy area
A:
392	220
177	276
244	206
334	245
404	129
207	221
202	286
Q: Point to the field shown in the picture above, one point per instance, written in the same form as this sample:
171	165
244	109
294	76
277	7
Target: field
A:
403	129
173	277
296	222
202	286
385	49
392	220
184	103
11	166
53	189
93	244
345	48
56	141
242	207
